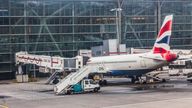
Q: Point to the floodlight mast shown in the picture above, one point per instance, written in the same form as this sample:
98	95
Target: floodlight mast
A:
118	26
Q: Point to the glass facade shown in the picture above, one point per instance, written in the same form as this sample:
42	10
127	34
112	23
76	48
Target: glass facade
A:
61	27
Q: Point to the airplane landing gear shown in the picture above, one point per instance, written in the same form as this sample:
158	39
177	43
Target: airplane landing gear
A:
103	82
98	78
134	79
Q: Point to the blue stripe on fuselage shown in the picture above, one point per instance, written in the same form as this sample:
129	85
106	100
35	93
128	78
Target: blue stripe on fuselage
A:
129	72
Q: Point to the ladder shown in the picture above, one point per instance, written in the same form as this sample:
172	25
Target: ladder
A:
52	77
71	79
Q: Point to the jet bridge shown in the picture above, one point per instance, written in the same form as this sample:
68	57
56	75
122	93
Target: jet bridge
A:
51	62
54	64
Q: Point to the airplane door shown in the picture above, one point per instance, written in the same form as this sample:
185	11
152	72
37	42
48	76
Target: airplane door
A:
143	64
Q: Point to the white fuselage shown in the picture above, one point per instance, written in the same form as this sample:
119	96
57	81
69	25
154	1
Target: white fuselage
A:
131	64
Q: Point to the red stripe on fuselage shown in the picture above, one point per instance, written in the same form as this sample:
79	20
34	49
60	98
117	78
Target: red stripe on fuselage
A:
165	28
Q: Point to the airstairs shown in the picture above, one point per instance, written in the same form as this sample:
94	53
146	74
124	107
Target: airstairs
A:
52	77
71	79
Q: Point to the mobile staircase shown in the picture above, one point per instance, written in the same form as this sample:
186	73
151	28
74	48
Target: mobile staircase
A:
52	77
73	78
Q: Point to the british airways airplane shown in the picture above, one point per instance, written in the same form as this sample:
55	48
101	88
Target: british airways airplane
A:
136	65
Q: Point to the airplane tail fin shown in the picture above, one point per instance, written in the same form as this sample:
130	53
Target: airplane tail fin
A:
162	43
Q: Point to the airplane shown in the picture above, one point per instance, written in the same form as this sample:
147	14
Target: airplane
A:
136	65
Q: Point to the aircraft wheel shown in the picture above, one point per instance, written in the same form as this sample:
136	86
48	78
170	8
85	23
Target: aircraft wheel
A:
144	82
96	89
163	80
103	82
133	80
69	92
100	82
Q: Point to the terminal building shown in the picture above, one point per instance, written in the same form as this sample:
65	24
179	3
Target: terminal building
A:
62	27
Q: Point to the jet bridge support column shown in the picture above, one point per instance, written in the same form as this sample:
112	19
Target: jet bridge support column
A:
20	77
19	70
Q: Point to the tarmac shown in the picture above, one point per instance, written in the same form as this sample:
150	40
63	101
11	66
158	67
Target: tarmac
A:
176	93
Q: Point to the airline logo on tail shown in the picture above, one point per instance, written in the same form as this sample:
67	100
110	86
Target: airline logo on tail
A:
162	43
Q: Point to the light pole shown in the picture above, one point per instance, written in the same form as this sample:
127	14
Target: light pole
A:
118	25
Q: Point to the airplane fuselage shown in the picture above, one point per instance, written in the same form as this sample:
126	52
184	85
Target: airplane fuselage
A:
130	64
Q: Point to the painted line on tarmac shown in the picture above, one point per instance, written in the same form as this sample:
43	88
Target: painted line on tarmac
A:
3	106
153	104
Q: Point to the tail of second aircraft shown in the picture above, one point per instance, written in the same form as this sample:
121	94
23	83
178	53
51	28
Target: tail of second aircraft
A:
162	43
